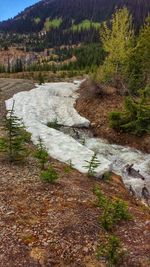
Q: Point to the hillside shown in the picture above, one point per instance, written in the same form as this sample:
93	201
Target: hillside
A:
59	224
63	15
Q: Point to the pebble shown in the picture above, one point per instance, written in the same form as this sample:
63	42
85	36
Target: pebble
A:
85	249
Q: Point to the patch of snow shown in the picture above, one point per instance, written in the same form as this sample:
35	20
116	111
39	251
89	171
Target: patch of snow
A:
45	104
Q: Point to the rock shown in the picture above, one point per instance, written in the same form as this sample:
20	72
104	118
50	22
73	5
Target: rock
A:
85	249
38	254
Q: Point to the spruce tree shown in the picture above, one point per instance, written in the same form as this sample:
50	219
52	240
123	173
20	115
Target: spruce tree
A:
143	50
92	165
14	143
139	65
135	118
41	154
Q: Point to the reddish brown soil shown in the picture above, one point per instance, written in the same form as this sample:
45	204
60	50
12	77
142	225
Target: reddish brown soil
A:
96	109
9	87
46	225
58	225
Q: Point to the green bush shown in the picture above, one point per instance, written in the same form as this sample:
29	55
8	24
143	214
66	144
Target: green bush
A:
113	211
120	210
106	176
112	251
101	199
106	219
49	175
135	119
116	119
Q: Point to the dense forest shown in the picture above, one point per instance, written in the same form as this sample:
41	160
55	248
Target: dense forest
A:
69	22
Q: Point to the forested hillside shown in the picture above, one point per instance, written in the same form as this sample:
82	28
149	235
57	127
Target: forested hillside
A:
80	17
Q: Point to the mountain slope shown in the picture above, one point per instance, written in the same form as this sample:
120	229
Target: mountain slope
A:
64	14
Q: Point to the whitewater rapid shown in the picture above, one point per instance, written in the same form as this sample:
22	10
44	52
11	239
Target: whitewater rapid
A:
55	101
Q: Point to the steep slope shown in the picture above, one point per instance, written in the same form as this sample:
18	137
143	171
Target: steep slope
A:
68	13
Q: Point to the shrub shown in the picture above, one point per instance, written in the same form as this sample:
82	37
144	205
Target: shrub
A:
106	176
41	154
112	251
49	175
121	210
135	118
107	219
113	211
116	119
101	199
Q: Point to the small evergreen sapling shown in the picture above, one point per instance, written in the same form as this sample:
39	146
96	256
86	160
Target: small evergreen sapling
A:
112	251
49	175
41	154
113	211
14	144
106	176
69	167
92	165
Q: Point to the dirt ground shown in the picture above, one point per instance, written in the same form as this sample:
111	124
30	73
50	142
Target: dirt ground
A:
96	109
9	87
46	225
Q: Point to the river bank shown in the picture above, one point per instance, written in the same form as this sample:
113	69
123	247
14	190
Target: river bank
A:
96	109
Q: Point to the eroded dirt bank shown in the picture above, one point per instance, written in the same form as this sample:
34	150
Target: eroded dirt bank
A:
9	87
96	109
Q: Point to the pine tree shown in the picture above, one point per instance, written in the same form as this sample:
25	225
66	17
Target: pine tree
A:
136	116
143	50
139	65
41	154
92	165
14	144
